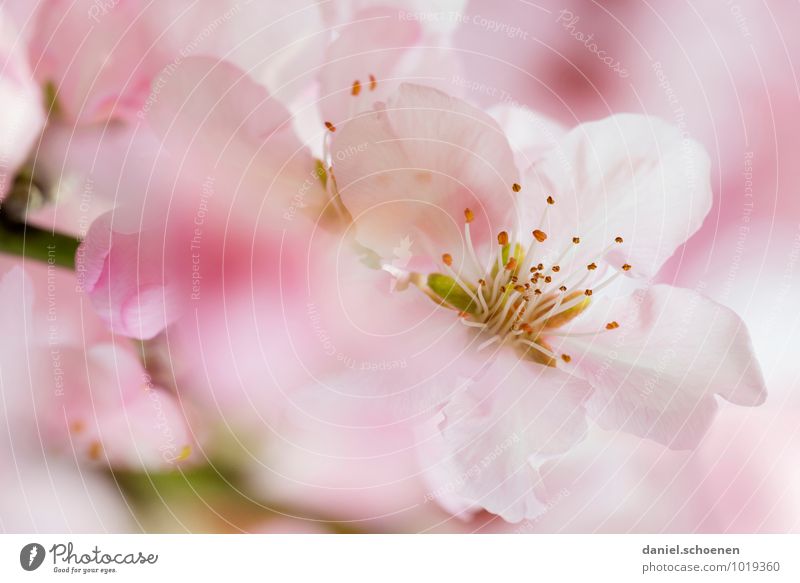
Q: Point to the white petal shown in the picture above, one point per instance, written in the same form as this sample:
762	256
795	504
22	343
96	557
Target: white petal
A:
628	175
499	428
655	375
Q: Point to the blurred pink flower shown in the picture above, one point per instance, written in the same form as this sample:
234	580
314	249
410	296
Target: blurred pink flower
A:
83	398
20	101
123	273
107	61
235	156
604	199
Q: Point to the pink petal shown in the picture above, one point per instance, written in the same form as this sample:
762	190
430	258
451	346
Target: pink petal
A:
531	135
277	43
497	430
125	278
627	175
411	168
360	64
20	98
656	375
232	139
101	59
114	414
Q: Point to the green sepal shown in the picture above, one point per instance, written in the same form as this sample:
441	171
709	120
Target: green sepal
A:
449	291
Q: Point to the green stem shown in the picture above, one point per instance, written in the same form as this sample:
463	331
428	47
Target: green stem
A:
34	243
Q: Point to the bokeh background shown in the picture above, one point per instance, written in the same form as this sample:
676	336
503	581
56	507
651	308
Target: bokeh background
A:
725	71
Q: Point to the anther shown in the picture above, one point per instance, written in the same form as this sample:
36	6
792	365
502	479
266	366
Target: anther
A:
576	240
626	267
330	126
539	235
537	291
612	326
469	216
373	82
566	357
592	266
356	88
618	240
448	259
502	238
563	288
516	187
551	200
512	264
556	268
519	288
588	292
548	279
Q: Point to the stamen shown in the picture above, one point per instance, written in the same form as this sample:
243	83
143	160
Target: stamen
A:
501	316
538	234
538	347
469	216
489	342
512	322
607	282
481	286
609	326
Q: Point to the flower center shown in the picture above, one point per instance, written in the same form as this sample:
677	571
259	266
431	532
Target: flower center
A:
515	299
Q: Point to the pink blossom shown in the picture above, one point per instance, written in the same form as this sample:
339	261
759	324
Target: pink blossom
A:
376	50
614	198
106	61
126	278
75	390
20	101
